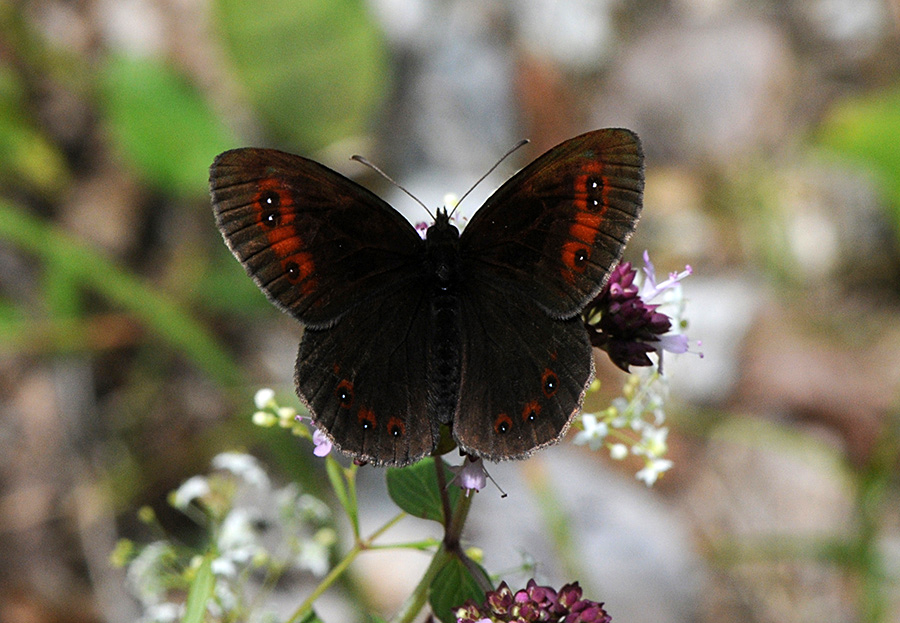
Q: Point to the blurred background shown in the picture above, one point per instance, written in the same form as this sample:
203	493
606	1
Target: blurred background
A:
131	342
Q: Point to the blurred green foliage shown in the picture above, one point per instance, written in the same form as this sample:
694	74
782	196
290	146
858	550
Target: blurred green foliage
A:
75	265
75	121
161	124
27	157
313	70
866	129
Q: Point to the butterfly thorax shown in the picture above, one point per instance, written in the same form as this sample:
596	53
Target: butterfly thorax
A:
444	362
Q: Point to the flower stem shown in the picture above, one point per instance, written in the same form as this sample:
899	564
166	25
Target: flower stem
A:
335	573
452	537
453	530
442	490
454	520
416	600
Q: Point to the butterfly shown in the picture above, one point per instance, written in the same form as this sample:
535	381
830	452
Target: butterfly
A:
478	332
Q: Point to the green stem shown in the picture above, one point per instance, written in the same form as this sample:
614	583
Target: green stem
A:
457	521
335	573
452	538
452	541
343	483
442	490
423	545
416	600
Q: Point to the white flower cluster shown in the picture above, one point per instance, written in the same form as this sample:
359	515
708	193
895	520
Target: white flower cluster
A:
256	533
269	413
640	411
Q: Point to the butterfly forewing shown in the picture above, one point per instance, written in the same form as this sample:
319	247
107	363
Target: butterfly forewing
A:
557	228
315	242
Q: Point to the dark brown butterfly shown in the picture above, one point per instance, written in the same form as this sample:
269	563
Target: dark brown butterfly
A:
480	331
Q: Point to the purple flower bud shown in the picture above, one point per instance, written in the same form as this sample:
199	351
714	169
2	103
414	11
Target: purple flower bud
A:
533	603
621	321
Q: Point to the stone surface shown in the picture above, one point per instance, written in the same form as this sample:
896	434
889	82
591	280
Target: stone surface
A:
763	504
708	92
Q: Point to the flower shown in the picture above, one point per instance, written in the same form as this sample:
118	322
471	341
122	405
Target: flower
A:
652	470
244	466
264	398
264	419
471	475
238	538
323	443
653	442
146	572
269	413
191	489
533	603
253	531
621	321
163	613
633	424
593	433
618	451
314	553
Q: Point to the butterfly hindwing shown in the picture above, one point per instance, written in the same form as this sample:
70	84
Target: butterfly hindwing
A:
556	229
524	374
364	379
314	241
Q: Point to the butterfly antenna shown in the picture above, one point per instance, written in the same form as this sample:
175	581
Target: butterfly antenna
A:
362	160
509	152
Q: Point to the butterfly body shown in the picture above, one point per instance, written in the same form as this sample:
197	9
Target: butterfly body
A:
479	331
443	266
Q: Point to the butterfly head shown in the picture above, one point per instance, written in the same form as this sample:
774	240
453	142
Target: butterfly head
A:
443	231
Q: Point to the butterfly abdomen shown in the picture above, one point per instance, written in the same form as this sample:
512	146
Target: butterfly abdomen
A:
444	357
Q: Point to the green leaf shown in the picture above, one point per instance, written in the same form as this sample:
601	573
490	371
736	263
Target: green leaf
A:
162	125
315	71
452	586
199	593
415	489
